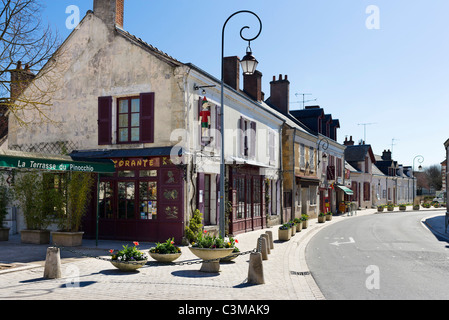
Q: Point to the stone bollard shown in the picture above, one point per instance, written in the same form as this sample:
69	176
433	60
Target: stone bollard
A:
270	235
52	264
255	271
262	246
268	242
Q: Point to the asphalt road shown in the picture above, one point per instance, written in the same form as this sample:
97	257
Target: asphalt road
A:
384	256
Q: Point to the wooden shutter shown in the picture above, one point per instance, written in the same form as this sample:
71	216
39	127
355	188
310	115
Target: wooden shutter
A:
218	132
200	192
147	117
242	136
252	146
104	120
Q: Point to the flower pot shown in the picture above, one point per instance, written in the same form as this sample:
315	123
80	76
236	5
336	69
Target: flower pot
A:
4	234
211	254
416	207
390	208
305	224
284	235
67	239
380	209
298	226
293	230
165	257
321	219
402	208
328	217
35	236
128	266
231	257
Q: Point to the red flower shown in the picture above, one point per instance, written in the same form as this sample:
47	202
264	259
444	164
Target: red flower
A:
172	242
111	251
236	241
205	231
136	243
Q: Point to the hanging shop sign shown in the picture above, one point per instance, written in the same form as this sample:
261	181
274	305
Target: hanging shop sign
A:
23	160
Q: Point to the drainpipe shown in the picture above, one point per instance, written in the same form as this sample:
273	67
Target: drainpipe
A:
293	215
281	172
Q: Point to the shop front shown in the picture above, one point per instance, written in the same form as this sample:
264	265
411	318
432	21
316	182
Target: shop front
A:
142	201
247	194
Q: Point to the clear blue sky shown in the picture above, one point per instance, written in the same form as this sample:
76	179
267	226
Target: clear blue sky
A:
396	77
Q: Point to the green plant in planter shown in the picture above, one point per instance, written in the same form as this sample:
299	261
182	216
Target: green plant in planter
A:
322	214
285	226
297	220
205	240
168	247
195	226
304	217
78	194
30	193
5	198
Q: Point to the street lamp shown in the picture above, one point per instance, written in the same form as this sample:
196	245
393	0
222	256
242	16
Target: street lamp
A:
249	65
420	160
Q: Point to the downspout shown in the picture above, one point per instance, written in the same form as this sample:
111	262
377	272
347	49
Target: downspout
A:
281	172
293	214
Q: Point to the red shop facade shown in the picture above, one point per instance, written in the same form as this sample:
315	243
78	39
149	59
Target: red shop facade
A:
142	201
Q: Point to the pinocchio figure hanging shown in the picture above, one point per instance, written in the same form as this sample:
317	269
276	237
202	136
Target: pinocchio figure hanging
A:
205	120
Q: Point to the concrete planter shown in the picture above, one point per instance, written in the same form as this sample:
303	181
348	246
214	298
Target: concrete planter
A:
305	224
293	230
402	208
211	254
4	234
35	236
165	258
416	207
299	227
328	217
321	219
284	235
128	266
67	239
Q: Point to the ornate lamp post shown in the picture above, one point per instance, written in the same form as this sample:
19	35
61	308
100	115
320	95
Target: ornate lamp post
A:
249	65
420	160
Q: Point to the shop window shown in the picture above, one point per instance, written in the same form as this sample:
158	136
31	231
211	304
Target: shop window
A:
148	200
256	197
106	196
126	197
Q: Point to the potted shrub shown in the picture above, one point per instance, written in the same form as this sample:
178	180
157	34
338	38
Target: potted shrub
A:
29	192
5	197
305	220
321	217
426	205
78	187
416	207
165	252
298	222
207	247
390	207
129	258
380	208
329	216
402	207
284	233
194	227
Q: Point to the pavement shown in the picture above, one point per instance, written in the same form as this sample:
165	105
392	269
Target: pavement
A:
286	273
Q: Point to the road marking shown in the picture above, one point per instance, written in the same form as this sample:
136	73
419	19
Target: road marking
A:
336	243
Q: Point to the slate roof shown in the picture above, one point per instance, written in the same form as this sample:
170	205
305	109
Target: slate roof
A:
358	153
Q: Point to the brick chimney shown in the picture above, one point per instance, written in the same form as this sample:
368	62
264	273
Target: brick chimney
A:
349	142
231	74
20	79
386	155
252	86
110	11
280	93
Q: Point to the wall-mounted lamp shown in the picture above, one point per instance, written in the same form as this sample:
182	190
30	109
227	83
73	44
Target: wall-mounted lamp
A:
196	87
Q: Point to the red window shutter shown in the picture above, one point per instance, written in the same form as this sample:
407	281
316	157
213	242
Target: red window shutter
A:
147	117
242	136
104	120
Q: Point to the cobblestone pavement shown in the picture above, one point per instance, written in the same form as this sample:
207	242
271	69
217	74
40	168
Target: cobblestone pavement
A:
285	272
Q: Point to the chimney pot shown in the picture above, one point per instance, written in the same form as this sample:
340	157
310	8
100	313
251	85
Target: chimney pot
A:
280	94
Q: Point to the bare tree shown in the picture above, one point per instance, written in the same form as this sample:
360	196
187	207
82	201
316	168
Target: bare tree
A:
434	176
26	47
